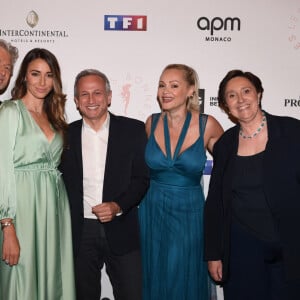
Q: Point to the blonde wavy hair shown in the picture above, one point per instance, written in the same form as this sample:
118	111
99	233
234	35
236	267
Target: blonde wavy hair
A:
191	77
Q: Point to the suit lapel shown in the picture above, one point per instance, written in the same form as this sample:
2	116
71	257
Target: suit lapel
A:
78	147
113	138
232	149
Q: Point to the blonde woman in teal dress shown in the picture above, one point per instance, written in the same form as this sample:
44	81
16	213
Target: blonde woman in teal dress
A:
35	240
171	214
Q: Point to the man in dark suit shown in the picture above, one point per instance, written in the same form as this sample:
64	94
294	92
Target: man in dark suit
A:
8	57
106	177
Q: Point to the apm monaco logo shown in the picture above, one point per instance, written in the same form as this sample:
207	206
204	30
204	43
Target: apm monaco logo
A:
125	23
217	24
22	35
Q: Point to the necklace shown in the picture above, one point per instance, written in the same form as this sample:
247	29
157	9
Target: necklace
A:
257	131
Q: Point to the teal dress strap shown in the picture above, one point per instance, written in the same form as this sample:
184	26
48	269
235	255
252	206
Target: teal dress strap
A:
181	136
202	123
154	120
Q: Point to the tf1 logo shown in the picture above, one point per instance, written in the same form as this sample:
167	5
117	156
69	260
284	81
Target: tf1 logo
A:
120	22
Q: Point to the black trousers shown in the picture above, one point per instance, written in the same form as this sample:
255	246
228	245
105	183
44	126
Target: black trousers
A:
256	270
124	272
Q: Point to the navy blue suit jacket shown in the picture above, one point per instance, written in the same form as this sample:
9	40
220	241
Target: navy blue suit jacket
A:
281	182
126	180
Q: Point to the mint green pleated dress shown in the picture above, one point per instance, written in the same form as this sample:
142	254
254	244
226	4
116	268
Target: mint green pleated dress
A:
33	194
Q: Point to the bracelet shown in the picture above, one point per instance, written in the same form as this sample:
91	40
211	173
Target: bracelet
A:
6	224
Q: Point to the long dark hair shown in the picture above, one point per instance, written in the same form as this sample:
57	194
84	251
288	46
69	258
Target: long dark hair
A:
54	102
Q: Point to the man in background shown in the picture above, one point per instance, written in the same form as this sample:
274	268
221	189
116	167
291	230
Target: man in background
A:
8	56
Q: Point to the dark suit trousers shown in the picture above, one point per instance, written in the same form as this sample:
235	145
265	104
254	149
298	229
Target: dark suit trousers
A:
124	272
256	270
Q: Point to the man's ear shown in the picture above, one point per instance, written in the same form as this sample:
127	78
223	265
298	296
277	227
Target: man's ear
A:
76	102
109	99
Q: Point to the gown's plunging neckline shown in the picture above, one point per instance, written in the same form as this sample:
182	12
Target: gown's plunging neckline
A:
171	213
180	139
37	125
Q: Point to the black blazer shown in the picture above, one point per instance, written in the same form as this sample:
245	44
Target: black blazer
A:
281	181
126	180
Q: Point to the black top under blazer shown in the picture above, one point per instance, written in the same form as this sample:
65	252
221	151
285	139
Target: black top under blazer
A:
281	185
126	180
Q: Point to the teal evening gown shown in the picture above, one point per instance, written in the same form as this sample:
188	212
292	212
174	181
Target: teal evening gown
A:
171	219
33	194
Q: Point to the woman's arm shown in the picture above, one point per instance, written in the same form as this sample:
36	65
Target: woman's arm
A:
10	247
213	131
9	118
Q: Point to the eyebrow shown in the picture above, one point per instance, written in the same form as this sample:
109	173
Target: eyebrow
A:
244	87
34	70
9	64
171	81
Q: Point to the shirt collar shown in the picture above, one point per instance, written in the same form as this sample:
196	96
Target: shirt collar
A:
105	125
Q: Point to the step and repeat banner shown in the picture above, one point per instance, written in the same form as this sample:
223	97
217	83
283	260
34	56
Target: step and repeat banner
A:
132	41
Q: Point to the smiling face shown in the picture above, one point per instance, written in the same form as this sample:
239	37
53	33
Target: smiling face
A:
242	99
39	79
173	90
92	99
5	68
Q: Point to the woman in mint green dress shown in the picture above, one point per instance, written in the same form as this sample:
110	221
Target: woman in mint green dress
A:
35	240
171	214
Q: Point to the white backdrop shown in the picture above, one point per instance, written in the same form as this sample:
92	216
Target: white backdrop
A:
211	36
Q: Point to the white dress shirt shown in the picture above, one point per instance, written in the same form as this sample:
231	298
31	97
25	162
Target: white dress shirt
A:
94	148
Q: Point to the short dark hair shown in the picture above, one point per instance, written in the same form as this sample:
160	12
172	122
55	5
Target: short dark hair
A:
238	73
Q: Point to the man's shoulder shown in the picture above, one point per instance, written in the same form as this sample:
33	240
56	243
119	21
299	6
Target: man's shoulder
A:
126	121
74	130
75	125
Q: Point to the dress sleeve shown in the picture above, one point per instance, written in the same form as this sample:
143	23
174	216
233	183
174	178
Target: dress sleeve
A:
9	119
213	212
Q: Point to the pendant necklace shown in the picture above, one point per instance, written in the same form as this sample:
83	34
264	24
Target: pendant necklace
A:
257	131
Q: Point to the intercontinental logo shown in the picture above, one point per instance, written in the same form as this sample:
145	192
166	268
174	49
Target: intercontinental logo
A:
32	19
218	29
32	34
